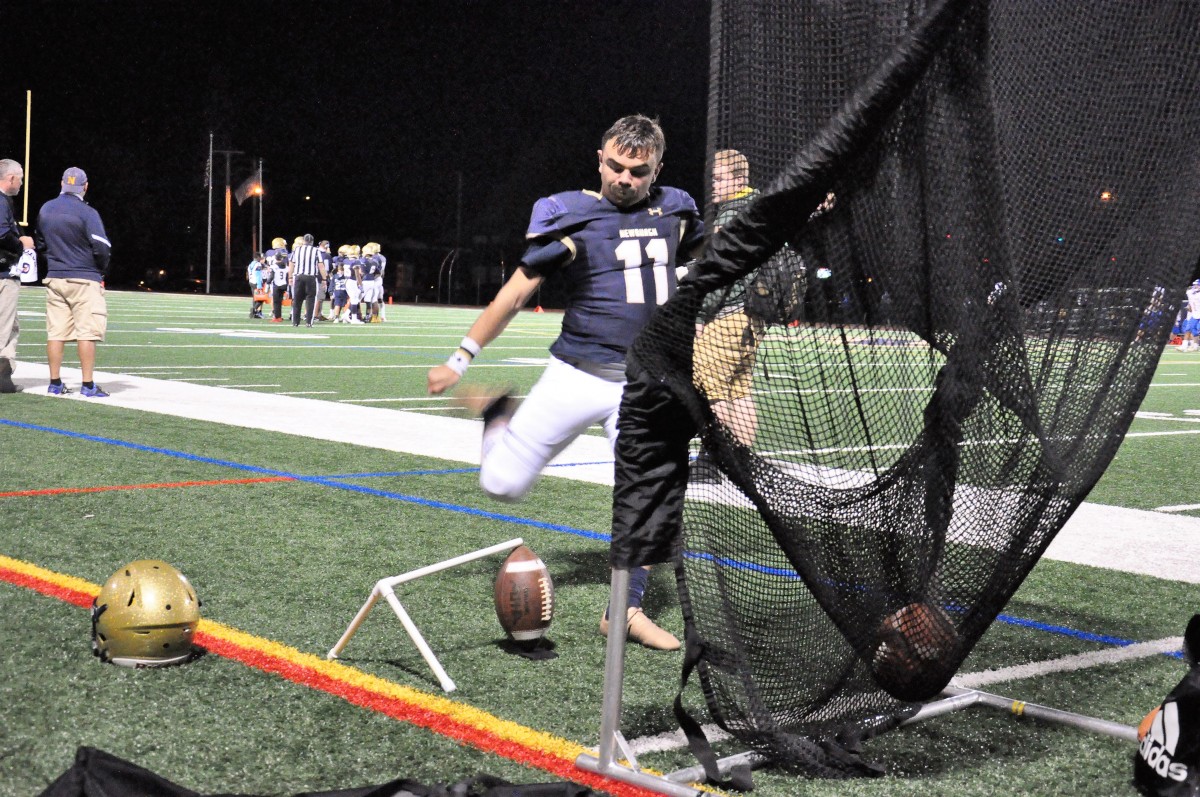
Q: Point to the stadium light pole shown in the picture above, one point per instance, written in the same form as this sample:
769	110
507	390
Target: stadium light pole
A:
258	194
208	183
228	153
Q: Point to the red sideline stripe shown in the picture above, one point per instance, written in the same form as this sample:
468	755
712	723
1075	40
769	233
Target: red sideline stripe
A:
415	715
151	486
67	594
391	707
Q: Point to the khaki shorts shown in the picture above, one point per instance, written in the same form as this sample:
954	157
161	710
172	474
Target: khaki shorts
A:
75	310
723	358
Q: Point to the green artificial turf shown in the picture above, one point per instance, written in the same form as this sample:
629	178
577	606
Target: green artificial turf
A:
293	561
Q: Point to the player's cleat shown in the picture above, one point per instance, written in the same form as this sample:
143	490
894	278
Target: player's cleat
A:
355	320
644	631
487	404
58	390
276	320
95	391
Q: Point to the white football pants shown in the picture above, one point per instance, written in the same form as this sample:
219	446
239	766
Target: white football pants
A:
560	407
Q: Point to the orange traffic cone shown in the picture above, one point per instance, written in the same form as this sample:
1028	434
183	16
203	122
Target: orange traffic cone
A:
538	309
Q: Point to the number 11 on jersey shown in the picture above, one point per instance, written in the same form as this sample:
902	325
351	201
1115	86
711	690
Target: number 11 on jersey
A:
629	253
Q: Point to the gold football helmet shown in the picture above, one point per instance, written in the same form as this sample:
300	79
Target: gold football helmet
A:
355	250
297	241
370	249
145	616
344	250
278	243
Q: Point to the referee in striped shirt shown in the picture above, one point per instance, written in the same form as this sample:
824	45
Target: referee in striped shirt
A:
305	264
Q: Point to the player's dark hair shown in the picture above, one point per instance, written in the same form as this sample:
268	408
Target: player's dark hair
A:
638	135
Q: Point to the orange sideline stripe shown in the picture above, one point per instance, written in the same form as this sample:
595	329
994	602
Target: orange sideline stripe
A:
151	486
449	718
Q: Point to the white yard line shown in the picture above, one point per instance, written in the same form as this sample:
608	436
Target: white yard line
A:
1131	540
1078	661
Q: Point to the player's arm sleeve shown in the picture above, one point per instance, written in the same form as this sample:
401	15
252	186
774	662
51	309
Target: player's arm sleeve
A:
98	238
548	246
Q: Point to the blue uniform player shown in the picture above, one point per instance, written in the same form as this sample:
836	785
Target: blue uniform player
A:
616	250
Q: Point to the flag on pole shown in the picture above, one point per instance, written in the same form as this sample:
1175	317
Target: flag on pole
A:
248	187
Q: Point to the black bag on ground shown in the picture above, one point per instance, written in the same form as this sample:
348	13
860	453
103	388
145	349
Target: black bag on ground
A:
96	773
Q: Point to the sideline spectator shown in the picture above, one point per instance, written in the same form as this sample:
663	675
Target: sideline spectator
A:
71	235
12	246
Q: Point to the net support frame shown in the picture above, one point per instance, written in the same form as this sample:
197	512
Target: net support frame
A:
605	761
957	698
385	588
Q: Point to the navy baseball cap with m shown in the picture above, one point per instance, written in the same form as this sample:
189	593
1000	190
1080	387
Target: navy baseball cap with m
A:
74	181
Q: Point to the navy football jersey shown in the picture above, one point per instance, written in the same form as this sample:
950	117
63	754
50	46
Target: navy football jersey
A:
371	268
618	263
336	274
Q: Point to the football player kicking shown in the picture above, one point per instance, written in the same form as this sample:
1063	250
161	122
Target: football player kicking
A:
616	250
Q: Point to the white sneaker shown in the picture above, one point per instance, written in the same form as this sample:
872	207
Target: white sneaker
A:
355	320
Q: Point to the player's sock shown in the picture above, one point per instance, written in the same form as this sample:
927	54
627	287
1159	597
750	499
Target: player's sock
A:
638	577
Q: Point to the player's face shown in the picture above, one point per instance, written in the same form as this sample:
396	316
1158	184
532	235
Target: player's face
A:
625	178
725	185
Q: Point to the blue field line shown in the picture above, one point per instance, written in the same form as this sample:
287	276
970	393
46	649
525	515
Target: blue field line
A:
1063	630
355	488
593	535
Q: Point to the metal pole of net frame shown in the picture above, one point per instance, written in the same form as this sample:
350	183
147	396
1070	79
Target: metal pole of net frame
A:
606	762
385	588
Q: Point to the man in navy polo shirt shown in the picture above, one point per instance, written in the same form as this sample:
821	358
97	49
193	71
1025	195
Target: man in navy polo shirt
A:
70	234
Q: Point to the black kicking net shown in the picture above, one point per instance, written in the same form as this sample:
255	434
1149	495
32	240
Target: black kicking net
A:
1015	214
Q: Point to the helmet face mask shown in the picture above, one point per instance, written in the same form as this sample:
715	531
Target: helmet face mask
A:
145	616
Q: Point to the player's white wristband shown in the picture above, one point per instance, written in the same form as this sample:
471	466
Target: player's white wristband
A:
470	347
458	363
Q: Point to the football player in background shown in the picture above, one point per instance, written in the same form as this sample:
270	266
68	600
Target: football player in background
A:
1191	321
372	282
323	285
254	274
616	249
337	283
276	262
354	283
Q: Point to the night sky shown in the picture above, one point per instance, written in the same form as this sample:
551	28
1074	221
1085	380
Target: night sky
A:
372	109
